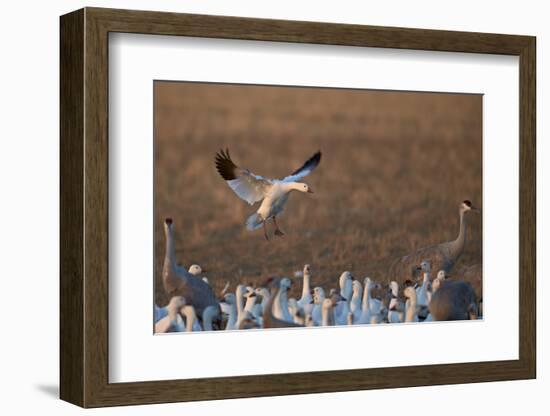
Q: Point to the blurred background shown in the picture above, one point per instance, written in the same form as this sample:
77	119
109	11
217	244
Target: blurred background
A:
395	167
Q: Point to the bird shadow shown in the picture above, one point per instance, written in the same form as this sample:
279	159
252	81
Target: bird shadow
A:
51	390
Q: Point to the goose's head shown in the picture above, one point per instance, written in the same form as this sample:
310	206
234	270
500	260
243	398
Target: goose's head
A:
345	279
307	269
425	266
250	292
466	205
302	187
229	298
441	275
196	270
410	292
286	283
318	295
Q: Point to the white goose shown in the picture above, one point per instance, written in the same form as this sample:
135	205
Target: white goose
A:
280	304
356	299
343	306
305	300
316	312
273	193
231	302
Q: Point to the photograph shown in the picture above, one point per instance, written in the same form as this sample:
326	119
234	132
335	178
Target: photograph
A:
298	207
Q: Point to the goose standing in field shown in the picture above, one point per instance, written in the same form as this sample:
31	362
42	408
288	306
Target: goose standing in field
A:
305	300
455	300
172	320
178	281
231	302
441	256
422	294
316	312
356	299
273	193
341	309
269	320
280	306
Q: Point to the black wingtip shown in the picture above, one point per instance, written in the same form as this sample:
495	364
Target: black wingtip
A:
225	166
311	163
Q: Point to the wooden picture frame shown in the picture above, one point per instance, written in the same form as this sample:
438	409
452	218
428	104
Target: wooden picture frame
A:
84	207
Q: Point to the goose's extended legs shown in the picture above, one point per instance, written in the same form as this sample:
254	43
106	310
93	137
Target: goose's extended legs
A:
265	231
278	232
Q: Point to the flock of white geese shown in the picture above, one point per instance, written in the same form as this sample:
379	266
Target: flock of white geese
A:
421	297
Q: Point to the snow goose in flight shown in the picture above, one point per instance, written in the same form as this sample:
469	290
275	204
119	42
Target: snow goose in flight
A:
272	192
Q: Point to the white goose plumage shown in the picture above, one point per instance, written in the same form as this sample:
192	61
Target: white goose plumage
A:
253	188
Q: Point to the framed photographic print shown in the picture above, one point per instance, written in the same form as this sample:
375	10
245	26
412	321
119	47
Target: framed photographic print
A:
255	207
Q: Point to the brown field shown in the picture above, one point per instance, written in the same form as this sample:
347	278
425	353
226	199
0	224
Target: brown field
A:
395	167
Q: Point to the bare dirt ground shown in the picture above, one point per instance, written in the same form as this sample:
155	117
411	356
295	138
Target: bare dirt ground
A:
395	167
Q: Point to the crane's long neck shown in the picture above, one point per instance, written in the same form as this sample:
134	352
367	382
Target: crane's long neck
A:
170	253
458	244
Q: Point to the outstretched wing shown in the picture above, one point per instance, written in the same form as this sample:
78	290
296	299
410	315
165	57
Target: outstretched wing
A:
249	187
305	169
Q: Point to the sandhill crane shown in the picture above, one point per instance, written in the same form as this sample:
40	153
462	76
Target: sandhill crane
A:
179	282
454	300
441	256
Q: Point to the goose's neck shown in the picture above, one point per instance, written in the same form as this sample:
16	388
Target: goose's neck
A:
327	316
411	309
366	297
240	306
268	307
250	302
305	288
426	278
357	296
